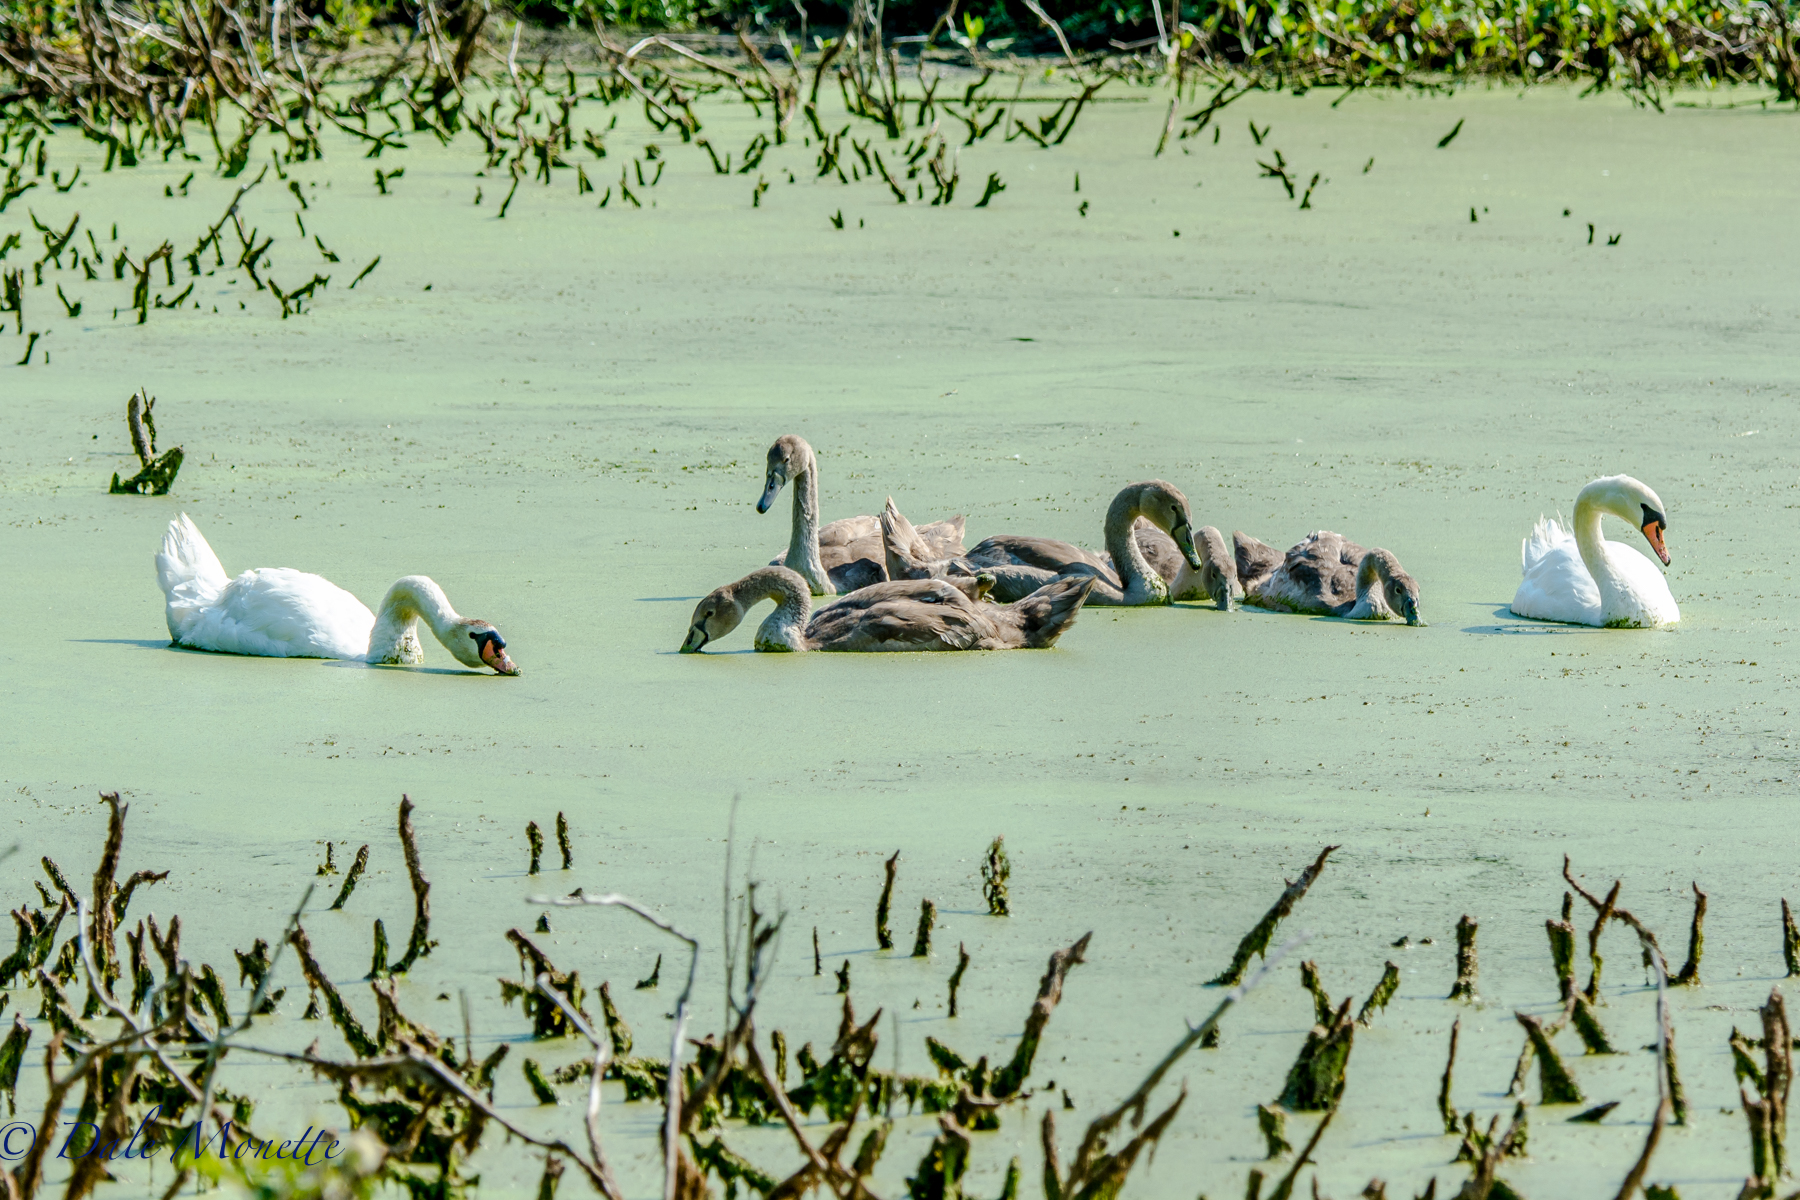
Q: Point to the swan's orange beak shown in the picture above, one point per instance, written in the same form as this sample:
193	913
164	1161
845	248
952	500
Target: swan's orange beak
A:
494	655
1653	533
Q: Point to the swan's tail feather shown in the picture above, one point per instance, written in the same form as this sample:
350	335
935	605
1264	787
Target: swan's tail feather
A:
1545	536
189	572
1049	611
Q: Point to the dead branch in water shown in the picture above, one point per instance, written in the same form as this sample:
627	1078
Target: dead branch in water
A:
420	943
1257	940
883	936
1468	965
1009	1079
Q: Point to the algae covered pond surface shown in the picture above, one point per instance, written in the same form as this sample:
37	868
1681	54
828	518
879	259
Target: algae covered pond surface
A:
561	416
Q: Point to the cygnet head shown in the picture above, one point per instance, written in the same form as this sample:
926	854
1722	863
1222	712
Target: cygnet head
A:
1399	591
1219	573
484	647
1402	593
789	457
1167	509
714	617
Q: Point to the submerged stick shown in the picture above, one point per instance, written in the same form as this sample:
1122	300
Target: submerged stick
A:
563	844
644	985
843	978
1445	1109
882	933
956	976
1272	1122
378	958
1593	1036
995	872
1468	966
351	877
534	838
1378	999
1690	970
616	1028
1562	955
1322	1005
361	1044
818	964
927	919
1555	1084
420	943
1009	1079
1316	1080
1790	939
1257	940
1665	1089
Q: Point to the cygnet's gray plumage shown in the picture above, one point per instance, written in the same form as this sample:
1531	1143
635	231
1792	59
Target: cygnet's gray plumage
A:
1326	574
893	616
846	554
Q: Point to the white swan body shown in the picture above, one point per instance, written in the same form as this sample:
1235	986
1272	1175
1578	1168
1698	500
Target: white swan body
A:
278	612
1574	575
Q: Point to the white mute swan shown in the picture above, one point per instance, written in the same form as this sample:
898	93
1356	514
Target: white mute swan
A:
277	612
846	554
1326	575
1580	578
926	614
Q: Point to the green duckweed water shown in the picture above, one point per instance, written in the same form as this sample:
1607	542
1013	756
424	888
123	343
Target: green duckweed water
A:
561	416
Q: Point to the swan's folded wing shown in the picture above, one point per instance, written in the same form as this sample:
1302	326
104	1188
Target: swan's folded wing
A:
189	573
846	530
282	613
945	538
1557	587
1548	534
1158	549
1256	560
890	625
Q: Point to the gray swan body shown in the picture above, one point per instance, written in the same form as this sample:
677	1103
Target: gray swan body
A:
1326	574
846	554
1123	575
901	615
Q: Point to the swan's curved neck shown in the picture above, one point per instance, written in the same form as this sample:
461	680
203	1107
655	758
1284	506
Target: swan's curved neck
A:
1590	506
803	542
1371	584
395	636
785	628
1141	582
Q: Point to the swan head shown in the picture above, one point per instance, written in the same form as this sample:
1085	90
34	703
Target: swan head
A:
789	457
1630	500
484	648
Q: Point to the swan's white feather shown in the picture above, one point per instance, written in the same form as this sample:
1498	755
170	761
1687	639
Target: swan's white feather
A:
1558	586
273	612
